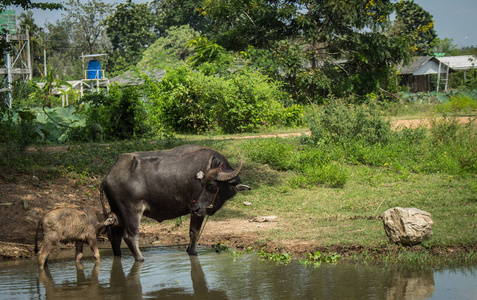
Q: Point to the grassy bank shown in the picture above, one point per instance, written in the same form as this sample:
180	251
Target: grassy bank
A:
325	191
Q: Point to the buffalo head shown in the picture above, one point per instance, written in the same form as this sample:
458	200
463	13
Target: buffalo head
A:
219	183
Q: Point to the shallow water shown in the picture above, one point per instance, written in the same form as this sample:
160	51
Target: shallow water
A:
170	272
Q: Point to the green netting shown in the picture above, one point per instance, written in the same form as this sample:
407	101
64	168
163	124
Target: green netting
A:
8	20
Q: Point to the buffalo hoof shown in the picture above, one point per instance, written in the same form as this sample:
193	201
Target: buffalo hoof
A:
191	253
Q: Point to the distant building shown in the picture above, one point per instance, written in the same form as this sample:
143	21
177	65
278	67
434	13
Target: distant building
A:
417	74
460	63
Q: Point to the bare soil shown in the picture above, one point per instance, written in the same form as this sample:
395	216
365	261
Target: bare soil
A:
24	200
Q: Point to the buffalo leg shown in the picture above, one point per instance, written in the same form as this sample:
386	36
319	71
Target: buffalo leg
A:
79	251
131	241
116	238
130	237
194	231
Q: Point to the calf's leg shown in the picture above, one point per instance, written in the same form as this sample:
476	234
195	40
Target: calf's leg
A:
44	252
79	251
94	248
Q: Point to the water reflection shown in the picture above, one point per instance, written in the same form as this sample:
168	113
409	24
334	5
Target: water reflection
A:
169	272
124	286
129	287
82	288
410	285
199	284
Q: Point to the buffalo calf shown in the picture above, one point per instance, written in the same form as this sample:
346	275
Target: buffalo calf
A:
81	225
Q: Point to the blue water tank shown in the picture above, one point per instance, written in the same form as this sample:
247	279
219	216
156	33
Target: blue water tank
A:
94	69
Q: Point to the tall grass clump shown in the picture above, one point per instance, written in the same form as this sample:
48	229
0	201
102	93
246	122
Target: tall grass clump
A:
458	104
361	135
452	146
311	165
359	130
340	122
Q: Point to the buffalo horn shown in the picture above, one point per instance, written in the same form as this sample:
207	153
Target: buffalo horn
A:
224	176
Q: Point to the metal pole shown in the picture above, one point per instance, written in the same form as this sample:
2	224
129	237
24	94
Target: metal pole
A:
9	77
447	78
44	60
30	70
438	76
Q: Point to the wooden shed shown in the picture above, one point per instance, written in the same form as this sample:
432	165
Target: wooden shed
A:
417	74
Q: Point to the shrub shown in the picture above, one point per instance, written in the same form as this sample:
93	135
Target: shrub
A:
17	129
331	175
339	122
119	115
312	166
192	101
458	103
252	100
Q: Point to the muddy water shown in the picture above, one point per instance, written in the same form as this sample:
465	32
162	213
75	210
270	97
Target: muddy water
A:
169	272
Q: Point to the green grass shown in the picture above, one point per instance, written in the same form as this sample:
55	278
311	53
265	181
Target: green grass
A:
326	193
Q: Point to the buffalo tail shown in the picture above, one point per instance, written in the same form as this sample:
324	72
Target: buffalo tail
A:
37	236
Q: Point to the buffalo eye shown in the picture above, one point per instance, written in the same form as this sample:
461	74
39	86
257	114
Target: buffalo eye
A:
212	186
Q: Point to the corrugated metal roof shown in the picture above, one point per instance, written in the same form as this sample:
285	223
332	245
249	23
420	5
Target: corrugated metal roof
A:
415	64
461	62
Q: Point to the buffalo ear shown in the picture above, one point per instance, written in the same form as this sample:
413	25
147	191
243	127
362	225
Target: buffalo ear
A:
109	221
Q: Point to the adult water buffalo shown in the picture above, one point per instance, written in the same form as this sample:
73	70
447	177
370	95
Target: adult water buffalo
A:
164	185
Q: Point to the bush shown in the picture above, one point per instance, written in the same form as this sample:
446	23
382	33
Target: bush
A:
251	101
312	166
17	129
341	123
331	175
458	103
191	101
119	115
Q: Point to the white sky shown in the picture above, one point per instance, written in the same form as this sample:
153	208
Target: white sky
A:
455	19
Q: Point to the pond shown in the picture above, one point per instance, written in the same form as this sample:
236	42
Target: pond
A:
170	272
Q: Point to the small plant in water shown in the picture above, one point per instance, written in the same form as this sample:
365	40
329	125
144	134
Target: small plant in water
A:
317	258
237	253
219	247
283	258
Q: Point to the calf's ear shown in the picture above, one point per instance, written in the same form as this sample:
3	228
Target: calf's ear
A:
109	221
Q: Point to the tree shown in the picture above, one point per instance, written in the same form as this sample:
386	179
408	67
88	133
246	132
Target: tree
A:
237	24
131	31
169	13
25	4
446	46
62	51
36	41
169	50
416	25
88	23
